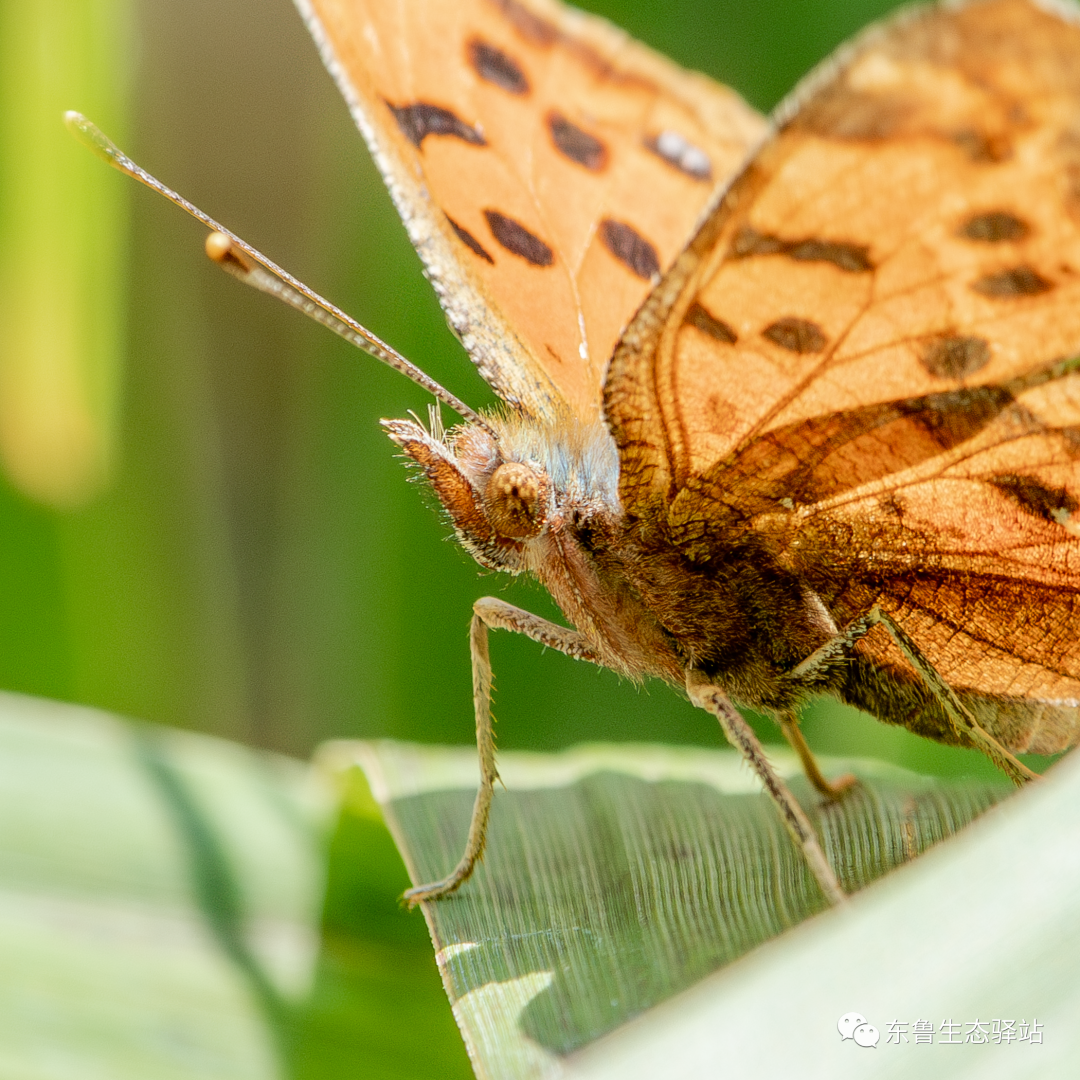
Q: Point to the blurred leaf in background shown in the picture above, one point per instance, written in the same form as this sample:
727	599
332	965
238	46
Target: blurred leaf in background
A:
63	255
160	900
63	248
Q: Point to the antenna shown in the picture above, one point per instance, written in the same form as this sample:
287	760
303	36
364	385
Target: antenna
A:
253	268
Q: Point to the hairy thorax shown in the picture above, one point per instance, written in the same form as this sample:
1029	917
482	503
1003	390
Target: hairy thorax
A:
530	496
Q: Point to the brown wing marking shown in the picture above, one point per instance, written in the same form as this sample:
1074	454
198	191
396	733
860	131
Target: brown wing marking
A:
980	563
530	113
819	459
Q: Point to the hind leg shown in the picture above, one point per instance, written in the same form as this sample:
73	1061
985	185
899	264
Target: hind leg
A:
809	672
831	789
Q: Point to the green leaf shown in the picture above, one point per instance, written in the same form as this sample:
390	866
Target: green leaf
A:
377	1010
160	898
985	928
618	877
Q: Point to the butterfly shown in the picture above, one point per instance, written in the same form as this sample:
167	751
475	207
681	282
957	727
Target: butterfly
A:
790	408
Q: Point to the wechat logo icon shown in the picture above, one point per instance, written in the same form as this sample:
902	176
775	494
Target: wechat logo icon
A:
854	1026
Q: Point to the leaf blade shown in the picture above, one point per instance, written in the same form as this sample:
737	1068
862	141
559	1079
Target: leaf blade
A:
625	875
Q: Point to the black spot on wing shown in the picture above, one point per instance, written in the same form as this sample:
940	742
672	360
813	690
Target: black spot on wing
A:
955	356
1016	281
680	153
513	236
577	144
1034	497
420	119
796	335
469	240
851	258
497	67
994	227
709	324
630	248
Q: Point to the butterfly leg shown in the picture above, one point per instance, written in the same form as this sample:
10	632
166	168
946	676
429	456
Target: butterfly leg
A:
490	613
831	789
959	715
706	695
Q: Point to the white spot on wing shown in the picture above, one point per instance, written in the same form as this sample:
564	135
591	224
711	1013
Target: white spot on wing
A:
677	150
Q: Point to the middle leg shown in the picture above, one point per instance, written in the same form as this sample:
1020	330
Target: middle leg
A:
706	695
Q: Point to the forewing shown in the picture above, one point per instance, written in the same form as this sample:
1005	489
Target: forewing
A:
913	228
547	168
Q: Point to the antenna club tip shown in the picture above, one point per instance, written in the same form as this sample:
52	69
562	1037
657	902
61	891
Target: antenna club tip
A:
221	249
92	137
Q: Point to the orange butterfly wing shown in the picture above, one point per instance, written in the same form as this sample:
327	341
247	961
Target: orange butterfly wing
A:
547	168
867	357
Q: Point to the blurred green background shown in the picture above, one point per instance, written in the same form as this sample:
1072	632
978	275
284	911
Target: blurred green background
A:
201	523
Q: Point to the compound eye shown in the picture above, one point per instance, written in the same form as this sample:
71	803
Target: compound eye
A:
513	501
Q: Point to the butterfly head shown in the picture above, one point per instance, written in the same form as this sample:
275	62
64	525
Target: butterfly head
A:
509	487
497	503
